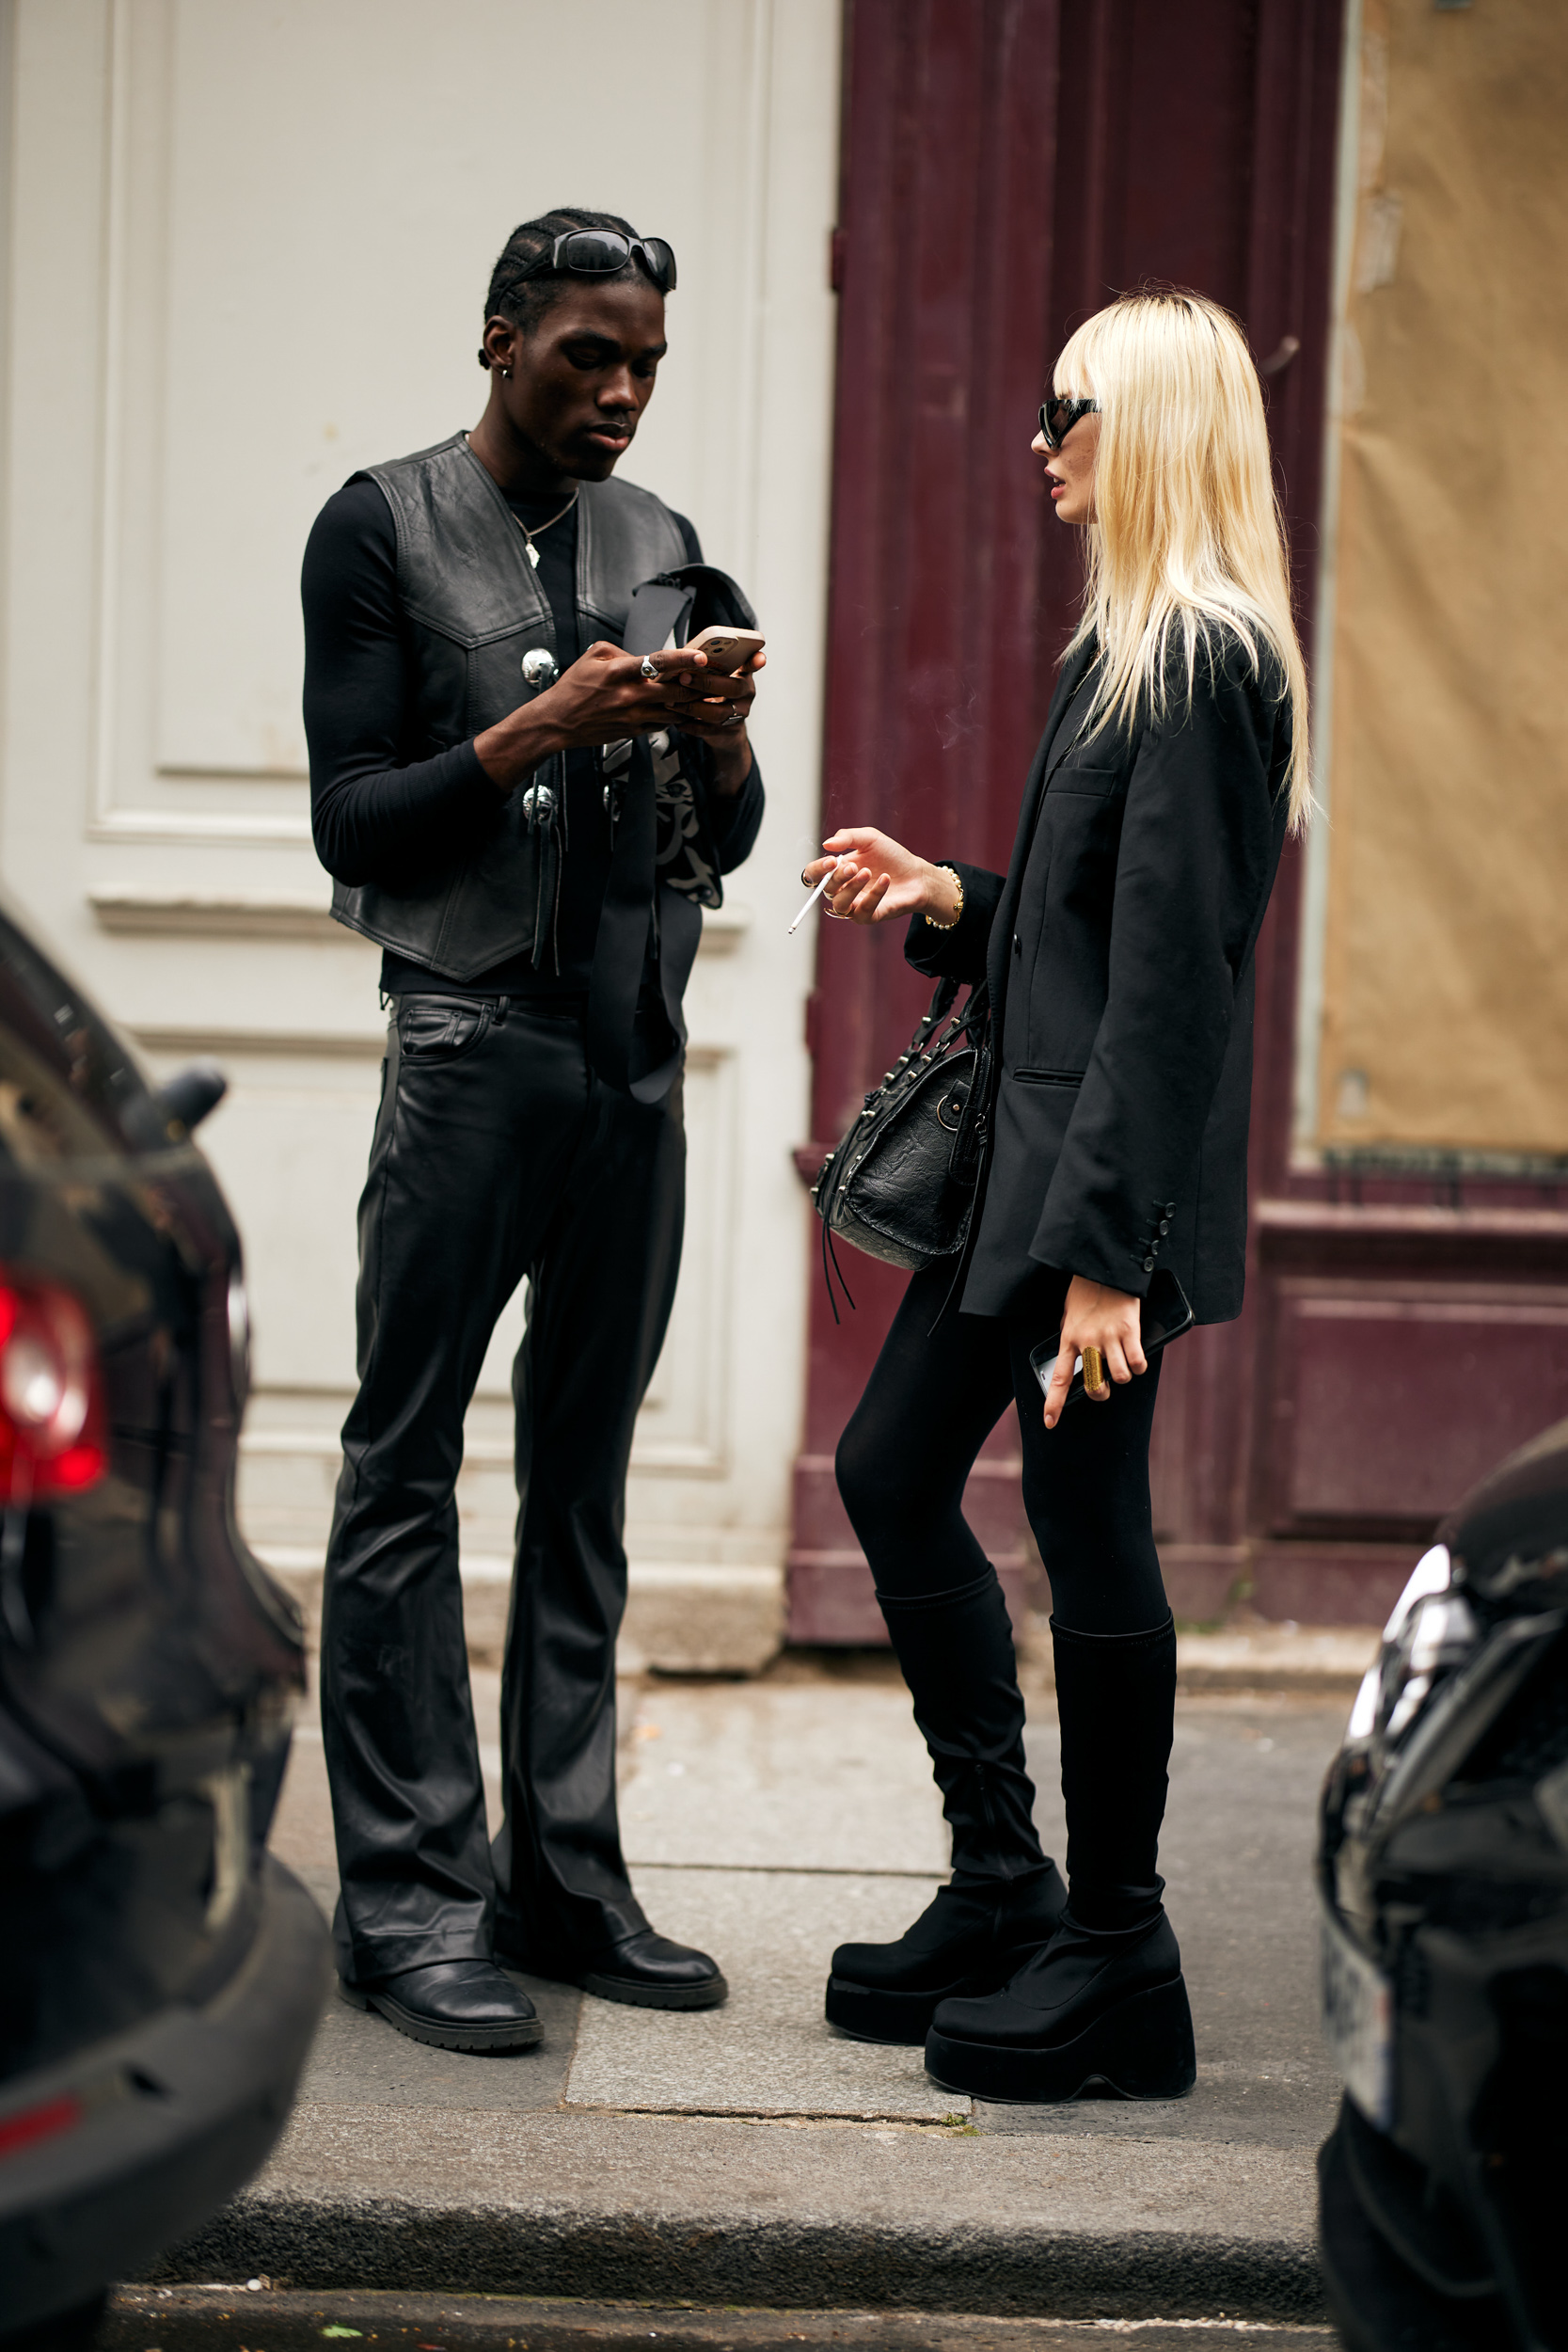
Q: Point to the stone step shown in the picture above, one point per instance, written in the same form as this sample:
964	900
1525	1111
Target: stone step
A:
691	1618
701	1618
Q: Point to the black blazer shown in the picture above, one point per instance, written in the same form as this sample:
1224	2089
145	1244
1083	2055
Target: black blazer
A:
1118	950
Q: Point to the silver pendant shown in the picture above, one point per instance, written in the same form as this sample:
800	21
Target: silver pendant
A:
532	553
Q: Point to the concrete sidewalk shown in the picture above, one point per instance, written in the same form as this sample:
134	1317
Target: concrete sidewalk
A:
748	2154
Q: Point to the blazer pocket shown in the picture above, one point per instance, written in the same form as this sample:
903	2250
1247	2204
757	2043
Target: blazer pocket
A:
1087	783
1046	1077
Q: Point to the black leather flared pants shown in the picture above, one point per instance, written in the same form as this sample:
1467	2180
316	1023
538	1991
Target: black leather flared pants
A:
498	1158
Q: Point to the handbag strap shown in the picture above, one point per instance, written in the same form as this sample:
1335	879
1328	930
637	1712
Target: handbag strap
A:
940	1028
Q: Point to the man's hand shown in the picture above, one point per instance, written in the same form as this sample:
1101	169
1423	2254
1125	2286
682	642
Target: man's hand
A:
721	722
879	879
1094	1316
603	698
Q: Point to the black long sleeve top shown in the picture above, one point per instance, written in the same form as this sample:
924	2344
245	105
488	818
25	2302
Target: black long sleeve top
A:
371	811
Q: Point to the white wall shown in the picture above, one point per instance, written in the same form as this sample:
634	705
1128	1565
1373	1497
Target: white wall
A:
248	245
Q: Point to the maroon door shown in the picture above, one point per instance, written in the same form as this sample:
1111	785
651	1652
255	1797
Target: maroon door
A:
1007	165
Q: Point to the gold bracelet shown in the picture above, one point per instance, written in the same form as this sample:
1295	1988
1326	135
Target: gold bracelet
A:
959	910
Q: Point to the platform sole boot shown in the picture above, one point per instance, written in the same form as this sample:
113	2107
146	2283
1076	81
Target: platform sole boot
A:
970	1940
1080	2015
955	1649
1104	2003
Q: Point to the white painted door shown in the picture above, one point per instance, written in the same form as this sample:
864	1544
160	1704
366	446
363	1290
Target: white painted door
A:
247	249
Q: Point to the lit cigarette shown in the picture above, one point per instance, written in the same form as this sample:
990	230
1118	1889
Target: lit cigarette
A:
844	860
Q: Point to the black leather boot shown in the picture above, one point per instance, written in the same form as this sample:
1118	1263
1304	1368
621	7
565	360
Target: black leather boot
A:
452	2005
1104	2001
955	1649
644	1969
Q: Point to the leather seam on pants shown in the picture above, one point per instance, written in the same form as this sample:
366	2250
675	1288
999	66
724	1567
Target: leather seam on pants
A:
363	1373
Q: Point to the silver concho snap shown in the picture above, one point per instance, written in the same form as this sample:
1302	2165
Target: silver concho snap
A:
539	804
540	667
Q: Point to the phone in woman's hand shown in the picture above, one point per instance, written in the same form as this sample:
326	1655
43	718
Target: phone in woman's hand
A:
1164	1314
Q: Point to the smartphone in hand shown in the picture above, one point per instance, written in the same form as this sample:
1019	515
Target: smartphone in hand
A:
1164	1314
727	650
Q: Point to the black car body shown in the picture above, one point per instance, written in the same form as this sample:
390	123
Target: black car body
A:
160	1975
1444	1875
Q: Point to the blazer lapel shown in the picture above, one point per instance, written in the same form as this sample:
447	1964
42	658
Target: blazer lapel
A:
1052	746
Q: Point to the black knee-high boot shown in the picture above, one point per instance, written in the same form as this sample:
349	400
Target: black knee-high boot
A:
955	1649
1104	2000
1116	1703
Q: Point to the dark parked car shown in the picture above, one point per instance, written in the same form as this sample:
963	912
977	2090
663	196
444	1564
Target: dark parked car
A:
1443	1869
160	1975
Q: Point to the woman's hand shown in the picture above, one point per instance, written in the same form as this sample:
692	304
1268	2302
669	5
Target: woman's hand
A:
1094	1316
880	880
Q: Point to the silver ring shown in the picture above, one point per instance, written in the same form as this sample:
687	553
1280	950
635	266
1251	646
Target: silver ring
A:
650	669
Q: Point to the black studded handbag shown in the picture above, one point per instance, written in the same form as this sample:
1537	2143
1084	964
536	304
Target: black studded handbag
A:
901	1185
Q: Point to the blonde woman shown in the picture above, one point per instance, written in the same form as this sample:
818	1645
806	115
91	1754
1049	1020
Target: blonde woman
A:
1119	949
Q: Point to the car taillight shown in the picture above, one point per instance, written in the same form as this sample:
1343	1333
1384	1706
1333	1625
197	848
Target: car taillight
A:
52	1433
44	2122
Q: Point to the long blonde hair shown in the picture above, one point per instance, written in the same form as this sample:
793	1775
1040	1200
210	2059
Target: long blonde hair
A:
1187	537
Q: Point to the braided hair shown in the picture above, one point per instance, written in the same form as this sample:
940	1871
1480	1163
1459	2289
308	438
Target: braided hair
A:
525	303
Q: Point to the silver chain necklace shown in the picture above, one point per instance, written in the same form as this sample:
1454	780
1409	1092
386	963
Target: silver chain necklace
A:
530	537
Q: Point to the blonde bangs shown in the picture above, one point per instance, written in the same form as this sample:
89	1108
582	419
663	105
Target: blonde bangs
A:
1187	537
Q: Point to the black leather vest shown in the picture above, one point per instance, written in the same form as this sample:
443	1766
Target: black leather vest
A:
474	607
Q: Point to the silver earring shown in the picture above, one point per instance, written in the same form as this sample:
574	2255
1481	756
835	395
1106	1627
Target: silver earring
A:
507	373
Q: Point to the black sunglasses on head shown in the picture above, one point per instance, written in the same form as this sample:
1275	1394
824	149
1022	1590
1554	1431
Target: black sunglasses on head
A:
1059	415
600	252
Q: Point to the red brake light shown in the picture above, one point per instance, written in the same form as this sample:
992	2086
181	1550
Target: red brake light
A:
52	1433
43	2122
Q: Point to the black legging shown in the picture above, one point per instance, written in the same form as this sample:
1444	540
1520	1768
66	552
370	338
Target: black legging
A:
931	1401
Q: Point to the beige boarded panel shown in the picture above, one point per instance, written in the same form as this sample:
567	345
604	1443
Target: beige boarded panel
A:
1446	963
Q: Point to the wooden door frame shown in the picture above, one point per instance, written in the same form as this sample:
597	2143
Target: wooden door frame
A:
1007	164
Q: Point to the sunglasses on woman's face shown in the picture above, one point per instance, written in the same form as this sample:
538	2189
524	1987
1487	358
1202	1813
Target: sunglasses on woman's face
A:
1058	417
600	252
